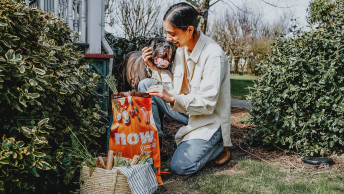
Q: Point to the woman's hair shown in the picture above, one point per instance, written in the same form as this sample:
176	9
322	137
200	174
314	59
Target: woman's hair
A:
182	15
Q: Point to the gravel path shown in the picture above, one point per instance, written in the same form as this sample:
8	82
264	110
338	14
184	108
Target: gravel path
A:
241	104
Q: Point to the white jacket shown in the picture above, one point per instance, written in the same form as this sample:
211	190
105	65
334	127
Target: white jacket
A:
209	100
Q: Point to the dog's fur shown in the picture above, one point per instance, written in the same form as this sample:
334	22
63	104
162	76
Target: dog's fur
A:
134	68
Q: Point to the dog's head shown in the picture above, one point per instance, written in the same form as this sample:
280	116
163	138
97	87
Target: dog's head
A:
163	52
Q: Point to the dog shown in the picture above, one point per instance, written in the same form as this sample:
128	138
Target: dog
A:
134	68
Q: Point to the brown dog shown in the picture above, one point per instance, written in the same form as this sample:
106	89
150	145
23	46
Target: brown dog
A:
134	68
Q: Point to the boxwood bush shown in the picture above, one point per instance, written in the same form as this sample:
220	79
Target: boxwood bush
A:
46	91
299	100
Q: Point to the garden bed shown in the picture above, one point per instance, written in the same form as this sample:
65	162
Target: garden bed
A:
244	155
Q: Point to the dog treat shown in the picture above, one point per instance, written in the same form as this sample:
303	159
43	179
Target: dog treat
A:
126	117
134	160
119	117
100	162
109	162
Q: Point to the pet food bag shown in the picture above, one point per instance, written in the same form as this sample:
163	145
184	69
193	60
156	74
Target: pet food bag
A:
133	129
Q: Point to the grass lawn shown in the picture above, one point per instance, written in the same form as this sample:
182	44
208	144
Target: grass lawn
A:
252	176
240	84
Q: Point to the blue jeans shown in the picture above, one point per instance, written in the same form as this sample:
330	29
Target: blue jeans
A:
190	155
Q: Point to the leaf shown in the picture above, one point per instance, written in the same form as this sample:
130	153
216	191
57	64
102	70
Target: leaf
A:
7	143
15	155
27	130
3	24
43	165
10	54
22	101
34	172
33	95
27	150
43	121
39	154
4	161
21	69
322	151
33	82
40	140
16	106
39	71
19	13
81	70
20	144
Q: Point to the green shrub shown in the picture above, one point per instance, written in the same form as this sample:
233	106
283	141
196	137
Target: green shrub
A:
299	99
46	90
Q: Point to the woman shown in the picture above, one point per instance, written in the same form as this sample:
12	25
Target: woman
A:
196	93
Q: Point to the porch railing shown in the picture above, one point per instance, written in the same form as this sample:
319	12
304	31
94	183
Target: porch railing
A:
73	12
86	17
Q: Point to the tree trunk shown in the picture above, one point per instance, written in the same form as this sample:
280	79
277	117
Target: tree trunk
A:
204	7
236	64
205	10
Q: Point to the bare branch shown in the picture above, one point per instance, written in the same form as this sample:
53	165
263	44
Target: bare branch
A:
107	4
135	17
214	3
275	5
194	3
238	8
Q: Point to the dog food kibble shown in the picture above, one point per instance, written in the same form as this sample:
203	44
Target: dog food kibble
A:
119	117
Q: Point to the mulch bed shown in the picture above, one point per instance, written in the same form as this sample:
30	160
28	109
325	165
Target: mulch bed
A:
240	150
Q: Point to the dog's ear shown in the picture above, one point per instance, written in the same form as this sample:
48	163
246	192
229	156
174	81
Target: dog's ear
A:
174	48
150	43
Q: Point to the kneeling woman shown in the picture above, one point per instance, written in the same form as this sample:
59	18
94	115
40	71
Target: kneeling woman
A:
196	93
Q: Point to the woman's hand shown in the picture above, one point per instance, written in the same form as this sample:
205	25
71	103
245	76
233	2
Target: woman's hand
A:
160	91
146	55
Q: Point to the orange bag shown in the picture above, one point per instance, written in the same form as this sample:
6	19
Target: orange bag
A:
133	129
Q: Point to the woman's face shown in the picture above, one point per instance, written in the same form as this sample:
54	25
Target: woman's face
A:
178	36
